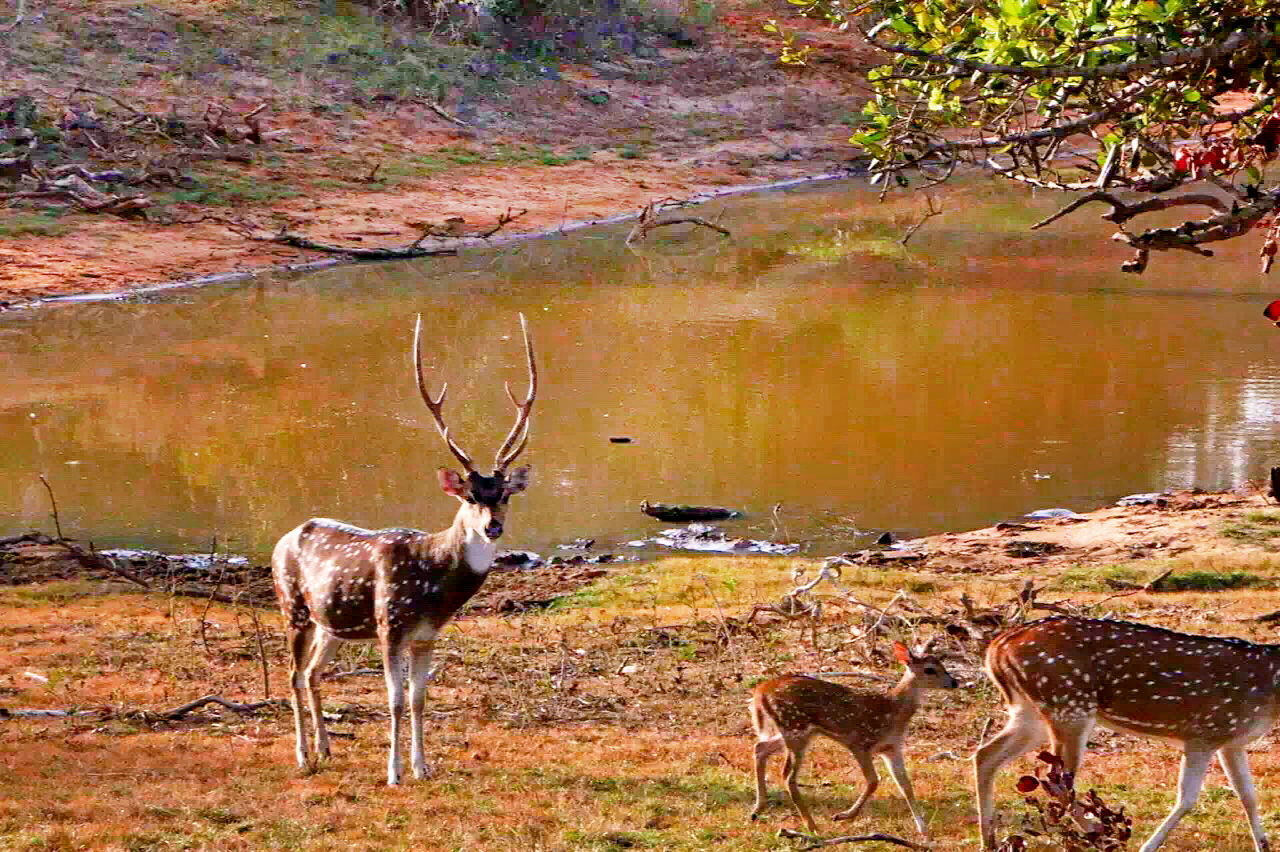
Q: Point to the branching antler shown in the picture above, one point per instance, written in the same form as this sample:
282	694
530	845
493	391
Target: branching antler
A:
519	435
435	405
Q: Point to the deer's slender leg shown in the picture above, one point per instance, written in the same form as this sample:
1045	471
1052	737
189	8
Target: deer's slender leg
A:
419	674
1235	762
795	756
868	765
1195	763
897	766
299	642
764	750
393	665
1021	733
1069	738
323	647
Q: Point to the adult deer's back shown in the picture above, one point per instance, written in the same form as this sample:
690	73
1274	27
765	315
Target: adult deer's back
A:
1061	676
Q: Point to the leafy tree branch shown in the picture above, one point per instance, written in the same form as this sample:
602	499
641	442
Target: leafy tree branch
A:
1144	96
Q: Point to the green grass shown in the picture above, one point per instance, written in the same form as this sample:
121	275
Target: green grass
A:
1084	578
32	225
1212	581
227	190
1252	528
725	581
1110	578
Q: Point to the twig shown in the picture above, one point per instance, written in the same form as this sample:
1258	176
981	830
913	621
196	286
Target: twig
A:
776	512
213	552
724	624
108	97
643	227
1149	586
503	220
930	211
57	525
110	564
262	653
352	673
870	632
812	842
440	111
253	707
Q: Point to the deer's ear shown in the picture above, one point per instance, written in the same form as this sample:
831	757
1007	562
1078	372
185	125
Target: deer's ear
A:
452	482
902	652
518	480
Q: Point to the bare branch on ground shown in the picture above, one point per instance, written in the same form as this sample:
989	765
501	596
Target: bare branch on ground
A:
245	709
353	252
649	221
812	842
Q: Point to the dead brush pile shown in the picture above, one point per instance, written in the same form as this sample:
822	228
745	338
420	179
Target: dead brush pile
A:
94	152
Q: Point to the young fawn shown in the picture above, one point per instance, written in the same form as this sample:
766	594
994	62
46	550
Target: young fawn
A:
1061	676
787	711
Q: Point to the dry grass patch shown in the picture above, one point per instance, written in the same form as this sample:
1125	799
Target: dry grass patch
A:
619	726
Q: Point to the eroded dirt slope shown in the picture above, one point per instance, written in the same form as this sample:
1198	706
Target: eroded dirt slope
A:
339	159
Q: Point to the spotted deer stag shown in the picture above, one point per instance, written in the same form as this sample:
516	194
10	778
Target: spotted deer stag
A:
398	587
788	711
1061	676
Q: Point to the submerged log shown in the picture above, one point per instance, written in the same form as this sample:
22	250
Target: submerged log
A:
681	514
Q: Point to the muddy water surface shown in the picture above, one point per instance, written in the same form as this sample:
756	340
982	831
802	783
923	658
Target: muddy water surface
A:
811	361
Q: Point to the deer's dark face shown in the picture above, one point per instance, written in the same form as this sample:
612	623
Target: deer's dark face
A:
484	498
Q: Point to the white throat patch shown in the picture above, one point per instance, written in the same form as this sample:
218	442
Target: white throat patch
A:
479	552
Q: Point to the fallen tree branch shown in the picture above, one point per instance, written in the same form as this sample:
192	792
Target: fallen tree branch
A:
1149	586
649	221
504	219
812	842
109	97
97	559
354	252
440	111
244	709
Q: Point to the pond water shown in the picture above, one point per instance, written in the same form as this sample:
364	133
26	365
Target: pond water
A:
810	361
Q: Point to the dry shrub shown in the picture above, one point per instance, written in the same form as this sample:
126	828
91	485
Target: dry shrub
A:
1064	820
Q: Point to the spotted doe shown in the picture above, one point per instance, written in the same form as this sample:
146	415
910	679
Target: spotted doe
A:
397	587
788	711
1062	675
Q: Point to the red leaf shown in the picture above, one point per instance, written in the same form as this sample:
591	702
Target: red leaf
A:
1272	312
1026	784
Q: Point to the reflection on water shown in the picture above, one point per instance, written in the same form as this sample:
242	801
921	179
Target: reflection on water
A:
810	361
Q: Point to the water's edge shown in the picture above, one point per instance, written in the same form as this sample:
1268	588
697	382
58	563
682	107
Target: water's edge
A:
461	243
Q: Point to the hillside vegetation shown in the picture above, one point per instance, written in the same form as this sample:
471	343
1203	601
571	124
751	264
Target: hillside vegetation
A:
144	140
